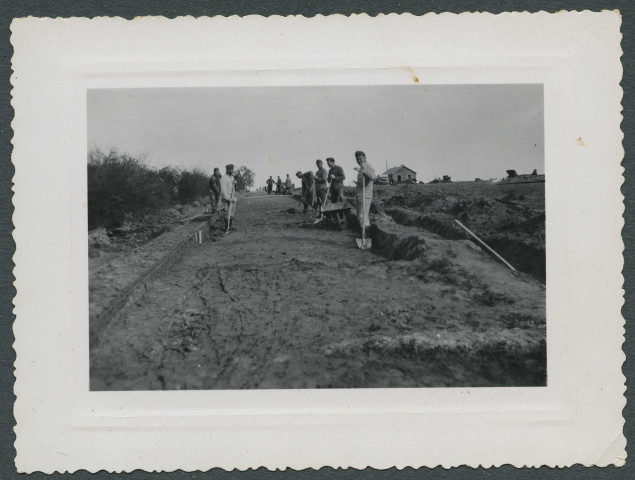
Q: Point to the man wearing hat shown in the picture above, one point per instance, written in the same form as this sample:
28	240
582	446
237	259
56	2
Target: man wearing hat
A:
308	189
228	195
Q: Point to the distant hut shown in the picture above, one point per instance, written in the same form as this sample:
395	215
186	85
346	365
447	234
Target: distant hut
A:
400	174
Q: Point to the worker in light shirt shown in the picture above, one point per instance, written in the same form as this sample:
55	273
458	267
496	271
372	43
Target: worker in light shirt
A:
365	179
228	195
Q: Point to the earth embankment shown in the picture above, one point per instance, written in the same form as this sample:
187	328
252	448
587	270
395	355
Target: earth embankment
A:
509	217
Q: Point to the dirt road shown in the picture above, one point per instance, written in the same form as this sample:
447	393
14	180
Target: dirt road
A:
280	303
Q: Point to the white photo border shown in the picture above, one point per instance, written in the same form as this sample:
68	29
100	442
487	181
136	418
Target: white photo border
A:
380	428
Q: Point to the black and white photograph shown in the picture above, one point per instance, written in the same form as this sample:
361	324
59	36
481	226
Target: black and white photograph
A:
290	243
315	237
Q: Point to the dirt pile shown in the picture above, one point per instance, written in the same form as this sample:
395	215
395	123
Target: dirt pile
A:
137	230
498	363
394	246
509	218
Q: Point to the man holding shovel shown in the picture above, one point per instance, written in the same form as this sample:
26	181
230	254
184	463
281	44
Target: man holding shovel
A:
228	195
336	177
321	184
365	177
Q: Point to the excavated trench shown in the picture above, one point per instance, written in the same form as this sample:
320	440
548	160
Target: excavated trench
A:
525	258
522	254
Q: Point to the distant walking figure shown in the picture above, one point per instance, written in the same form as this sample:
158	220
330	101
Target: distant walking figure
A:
269	185
278	186
287	185
365	177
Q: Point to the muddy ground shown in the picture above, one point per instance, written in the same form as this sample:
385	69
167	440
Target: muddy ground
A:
284	303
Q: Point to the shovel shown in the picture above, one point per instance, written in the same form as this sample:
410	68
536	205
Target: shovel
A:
328	188
364	243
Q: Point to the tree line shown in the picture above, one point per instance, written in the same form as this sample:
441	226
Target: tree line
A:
120	184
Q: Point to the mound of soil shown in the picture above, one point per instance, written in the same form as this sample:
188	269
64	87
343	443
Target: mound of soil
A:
509	217
137	231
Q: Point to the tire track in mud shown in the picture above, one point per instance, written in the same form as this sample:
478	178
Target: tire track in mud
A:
249	341
229	364
266	288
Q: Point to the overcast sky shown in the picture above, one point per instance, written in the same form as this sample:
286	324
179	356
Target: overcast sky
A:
464	131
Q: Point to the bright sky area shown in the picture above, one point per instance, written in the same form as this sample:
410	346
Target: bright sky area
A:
465	131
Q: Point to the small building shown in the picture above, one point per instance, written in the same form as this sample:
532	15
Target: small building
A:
400	174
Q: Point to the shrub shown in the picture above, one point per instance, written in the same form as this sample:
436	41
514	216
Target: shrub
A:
191	185
120	184
170	177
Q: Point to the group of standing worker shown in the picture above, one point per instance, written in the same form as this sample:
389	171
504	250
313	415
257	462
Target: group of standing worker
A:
282	188
318	186
222	194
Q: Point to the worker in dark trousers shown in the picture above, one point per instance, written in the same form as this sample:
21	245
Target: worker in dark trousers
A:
214	190
269	185
336	177
308	189
278	186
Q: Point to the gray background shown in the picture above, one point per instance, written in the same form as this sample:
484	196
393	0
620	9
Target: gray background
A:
131	8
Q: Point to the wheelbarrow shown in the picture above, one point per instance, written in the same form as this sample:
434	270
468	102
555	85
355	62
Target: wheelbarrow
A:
332	211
